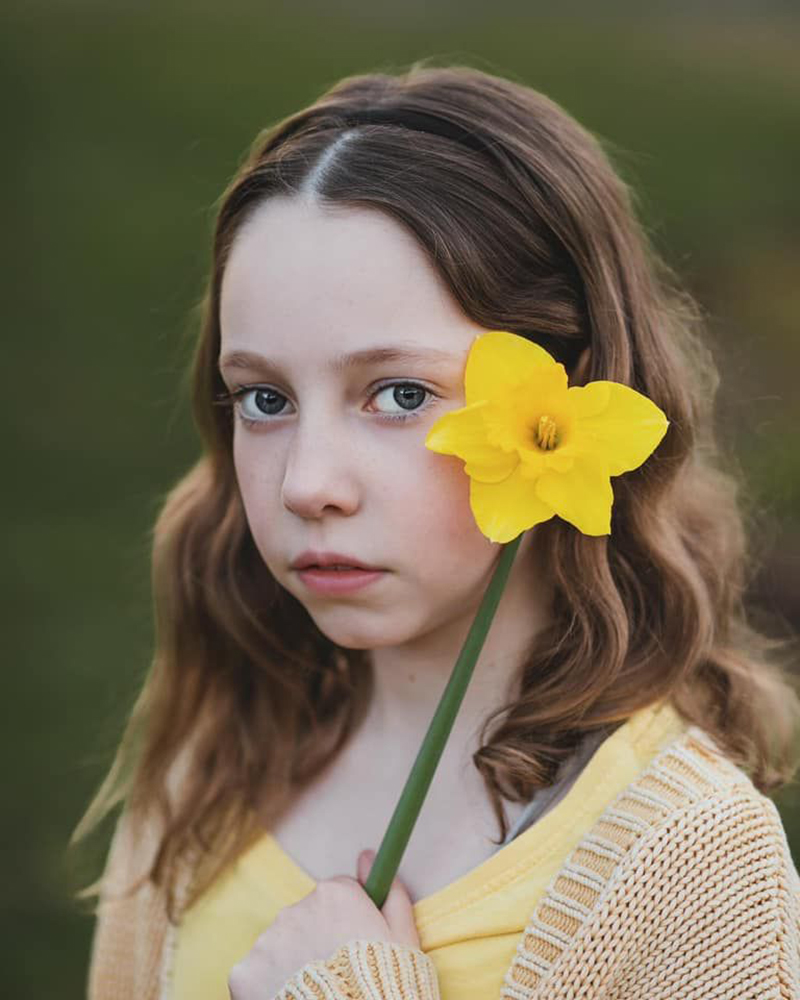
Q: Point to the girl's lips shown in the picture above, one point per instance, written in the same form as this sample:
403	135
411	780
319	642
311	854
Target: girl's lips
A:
337	581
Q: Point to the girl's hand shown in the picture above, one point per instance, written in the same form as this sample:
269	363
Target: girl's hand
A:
336	911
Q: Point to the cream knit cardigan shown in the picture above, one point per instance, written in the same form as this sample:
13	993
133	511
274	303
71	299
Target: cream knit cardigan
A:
684	889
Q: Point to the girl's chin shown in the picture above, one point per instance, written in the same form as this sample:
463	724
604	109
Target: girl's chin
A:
377	636
351	640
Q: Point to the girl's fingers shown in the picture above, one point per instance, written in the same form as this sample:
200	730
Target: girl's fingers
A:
397	910
365	860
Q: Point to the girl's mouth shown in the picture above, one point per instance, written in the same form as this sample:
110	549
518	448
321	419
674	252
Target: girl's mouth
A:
337	579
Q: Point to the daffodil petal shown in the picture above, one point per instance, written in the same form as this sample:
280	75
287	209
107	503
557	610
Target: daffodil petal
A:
616	424
463	433
532	463
589	400
504	510
561	460
582	496
492	472
499	361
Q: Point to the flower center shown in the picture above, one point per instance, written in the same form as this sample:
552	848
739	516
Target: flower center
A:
546	433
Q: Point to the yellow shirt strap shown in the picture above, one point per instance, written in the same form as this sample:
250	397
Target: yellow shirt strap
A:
366	970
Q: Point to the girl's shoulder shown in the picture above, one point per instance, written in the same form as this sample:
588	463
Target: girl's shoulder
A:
691	867
132	927
131	919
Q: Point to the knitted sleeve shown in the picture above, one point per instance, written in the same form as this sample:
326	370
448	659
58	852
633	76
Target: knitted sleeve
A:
131	924
366	970
707	908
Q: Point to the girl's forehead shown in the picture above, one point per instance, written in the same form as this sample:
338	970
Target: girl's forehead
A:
301	278
337	255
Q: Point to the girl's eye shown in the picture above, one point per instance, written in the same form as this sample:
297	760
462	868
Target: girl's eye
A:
265	403
257	404
408	396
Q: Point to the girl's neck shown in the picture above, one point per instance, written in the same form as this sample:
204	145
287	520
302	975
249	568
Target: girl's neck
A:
410	679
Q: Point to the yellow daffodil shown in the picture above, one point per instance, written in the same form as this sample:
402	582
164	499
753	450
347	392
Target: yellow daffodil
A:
534	447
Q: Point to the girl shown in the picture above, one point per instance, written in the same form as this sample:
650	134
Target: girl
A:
598	825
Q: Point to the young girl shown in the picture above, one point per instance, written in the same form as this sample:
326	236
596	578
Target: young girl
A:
598	825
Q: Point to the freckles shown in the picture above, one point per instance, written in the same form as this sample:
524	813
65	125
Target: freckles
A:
256	468
446	474
453	488
447	505
259	495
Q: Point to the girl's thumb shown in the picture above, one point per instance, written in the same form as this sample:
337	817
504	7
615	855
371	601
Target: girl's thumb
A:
397	910
365	860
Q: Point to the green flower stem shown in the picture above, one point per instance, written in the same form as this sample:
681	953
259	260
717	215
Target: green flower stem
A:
408	807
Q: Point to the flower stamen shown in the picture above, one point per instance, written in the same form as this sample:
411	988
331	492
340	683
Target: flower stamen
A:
546	432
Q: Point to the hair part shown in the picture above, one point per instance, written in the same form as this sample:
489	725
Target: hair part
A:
247	701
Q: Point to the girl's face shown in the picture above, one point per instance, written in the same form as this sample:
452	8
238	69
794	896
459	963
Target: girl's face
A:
329	440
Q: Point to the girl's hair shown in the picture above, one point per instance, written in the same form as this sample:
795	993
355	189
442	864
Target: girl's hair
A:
520	212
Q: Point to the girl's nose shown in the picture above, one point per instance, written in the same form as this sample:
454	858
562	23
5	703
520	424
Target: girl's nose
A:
319	476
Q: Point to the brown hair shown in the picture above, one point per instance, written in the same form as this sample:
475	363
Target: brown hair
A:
521	213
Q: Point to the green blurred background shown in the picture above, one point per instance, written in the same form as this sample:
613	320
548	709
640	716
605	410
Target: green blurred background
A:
122	124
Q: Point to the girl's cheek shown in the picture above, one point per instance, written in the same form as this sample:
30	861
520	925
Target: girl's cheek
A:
447	509
451	486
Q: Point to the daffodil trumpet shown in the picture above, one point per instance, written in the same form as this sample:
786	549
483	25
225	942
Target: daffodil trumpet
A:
533	447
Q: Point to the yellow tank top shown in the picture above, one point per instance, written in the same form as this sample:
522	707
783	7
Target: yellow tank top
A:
470	928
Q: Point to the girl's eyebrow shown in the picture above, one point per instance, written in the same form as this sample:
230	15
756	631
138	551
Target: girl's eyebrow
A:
343	362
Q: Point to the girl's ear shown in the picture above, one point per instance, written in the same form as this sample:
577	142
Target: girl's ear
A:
580	371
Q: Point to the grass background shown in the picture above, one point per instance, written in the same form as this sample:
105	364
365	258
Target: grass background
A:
122	124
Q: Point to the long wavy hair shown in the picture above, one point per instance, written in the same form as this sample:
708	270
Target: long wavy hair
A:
521	213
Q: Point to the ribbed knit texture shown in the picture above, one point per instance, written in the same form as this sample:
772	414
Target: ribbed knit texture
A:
684	889
366	969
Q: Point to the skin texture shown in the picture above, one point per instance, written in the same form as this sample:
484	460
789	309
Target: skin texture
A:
331	471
